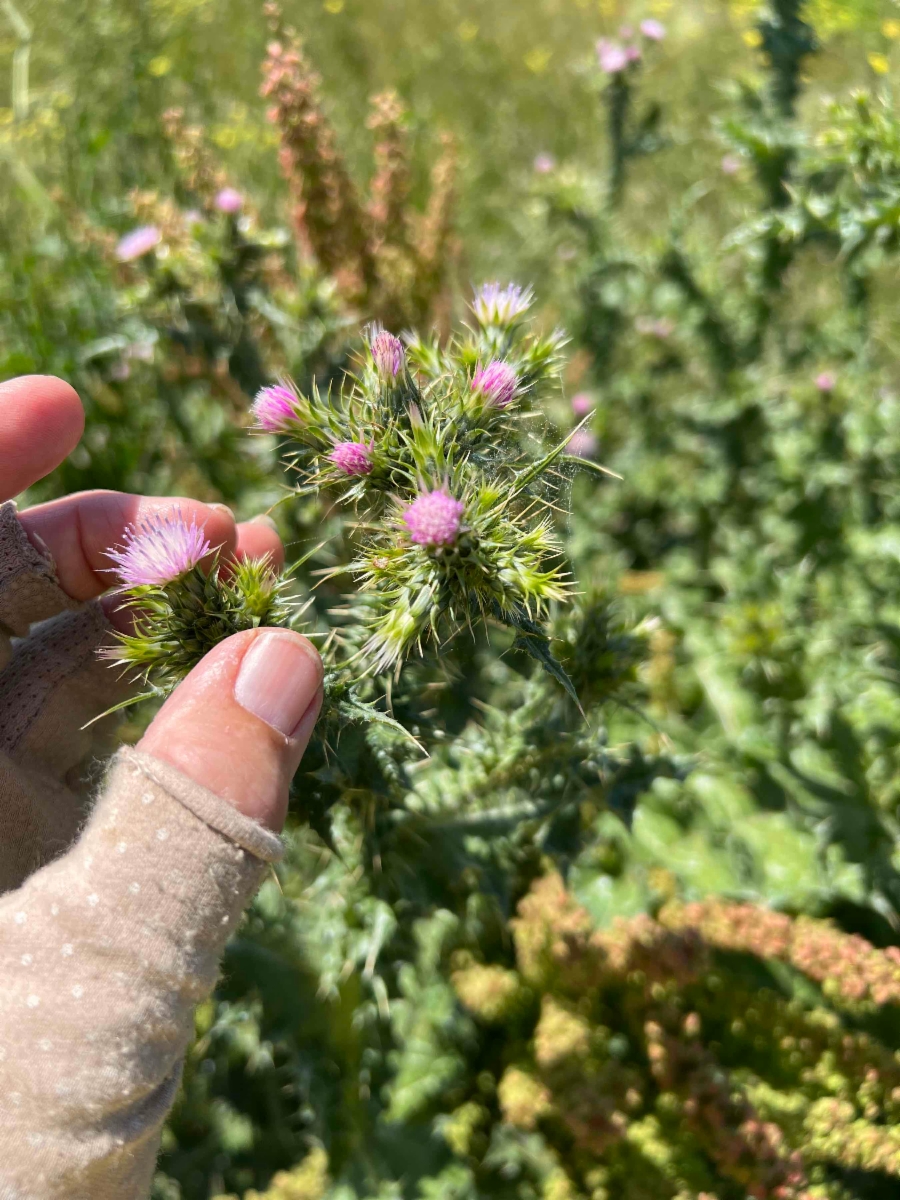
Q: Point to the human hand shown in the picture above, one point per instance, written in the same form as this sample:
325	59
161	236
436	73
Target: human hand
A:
240	723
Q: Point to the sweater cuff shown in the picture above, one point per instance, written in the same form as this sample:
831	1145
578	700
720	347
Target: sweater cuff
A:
215	812
29	590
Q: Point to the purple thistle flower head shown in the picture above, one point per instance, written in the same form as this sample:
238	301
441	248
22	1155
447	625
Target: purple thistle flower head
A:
138	243
158	551
353	458
654	31
730	164
633	53
434	518
582	403
387	354
275	408
583	444
229	200
544	163
496	382
496	305
612	57
826	381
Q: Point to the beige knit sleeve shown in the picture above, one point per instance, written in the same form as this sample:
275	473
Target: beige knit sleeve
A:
51	684
103	956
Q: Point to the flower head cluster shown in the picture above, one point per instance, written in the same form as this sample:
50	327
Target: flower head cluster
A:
434	519
615	57
496	382
137	243
275	409
460	473
501	306
158	551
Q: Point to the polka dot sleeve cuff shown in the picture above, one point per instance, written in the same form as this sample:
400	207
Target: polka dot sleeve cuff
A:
103	956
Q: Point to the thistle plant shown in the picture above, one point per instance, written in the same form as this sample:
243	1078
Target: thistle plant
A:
439	450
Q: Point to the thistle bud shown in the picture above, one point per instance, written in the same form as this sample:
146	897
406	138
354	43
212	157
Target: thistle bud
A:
654	31
826	381
353	458
582	403
496	382
387	354
138	243
612	57
434	519
158	551
494	305
229	200
583	444
275	409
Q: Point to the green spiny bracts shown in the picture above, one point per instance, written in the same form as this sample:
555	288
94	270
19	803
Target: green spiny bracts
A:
441	451
178	622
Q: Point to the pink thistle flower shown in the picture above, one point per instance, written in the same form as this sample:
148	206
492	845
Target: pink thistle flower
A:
654	31
158	551
229	200
353	458
612	57
730	164
633	53
496	305
582	403
583	444
544	164
434	519
387	353
193	216
275	409
138	243
496	382
826	381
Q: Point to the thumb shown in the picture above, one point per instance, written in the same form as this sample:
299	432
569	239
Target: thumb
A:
240	722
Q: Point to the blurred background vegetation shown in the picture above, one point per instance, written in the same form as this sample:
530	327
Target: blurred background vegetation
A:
717	228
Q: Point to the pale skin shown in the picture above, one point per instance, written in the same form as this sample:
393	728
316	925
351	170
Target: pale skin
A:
203	729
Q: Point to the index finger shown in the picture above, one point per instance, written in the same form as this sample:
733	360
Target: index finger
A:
41	420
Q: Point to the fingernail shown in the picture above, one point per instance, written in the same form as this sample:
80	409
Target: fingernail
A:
222	508
264	519
278	680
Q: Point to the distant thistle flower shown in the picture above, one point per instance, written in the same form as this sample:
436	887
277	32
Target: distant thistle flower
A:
730	164
158	551
654	31
612	57
544	163
633	53
496	305
353	458
138	243
387	353
434	519
496	382
582	403
826	381
274	408
582	444
229	200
